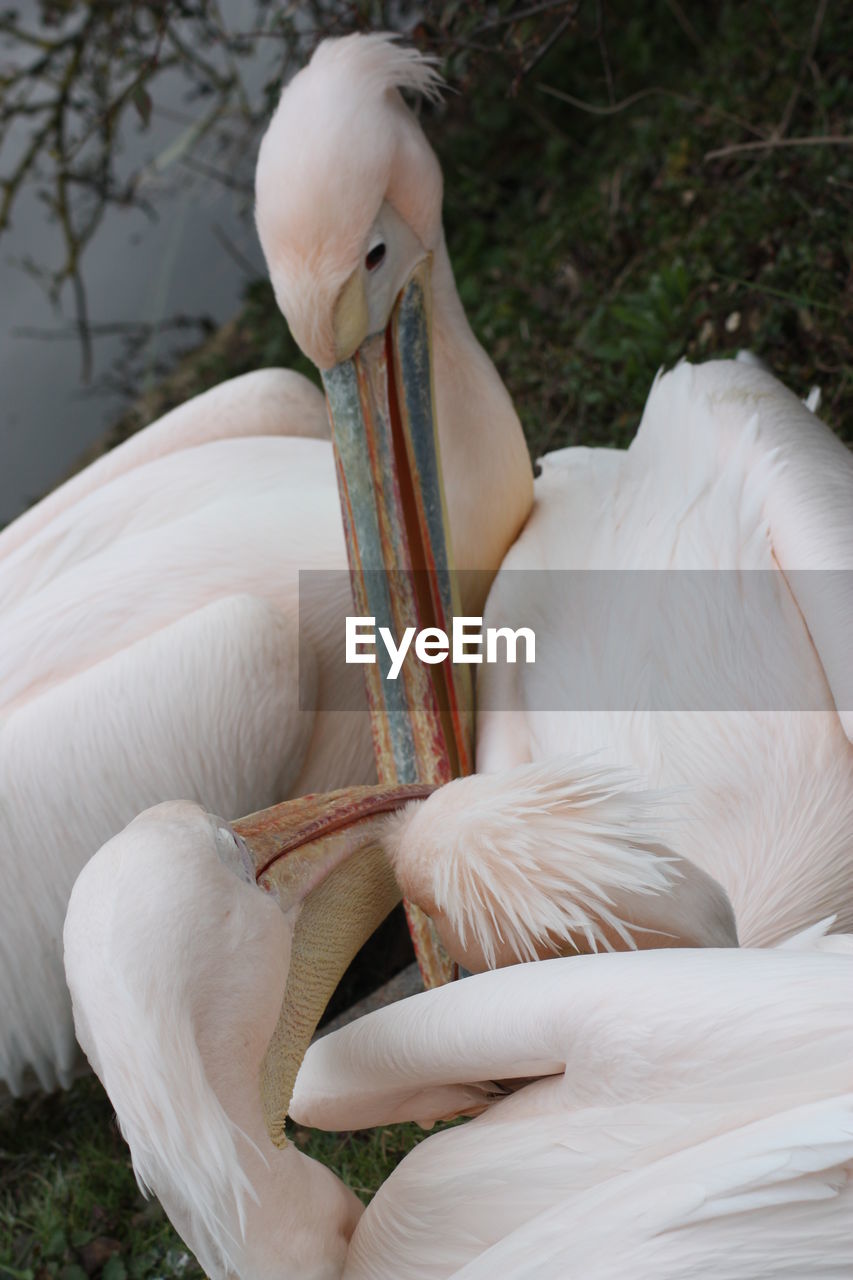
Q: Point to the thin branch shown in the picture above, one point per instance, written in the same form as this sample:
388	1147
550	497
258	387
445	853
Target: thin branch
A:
151	65
790	106
547	45
37	42
757	287
772	144
656	91
250	269
602	48
63	210
533	11
684	22
226	37
210	171
194	59
12	184
119	328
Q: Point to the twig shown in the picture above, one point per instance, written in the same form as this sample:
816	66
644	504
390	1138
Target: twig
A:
656	91
820	14
507	19
602	48
151	64
684	22
249	268
547	45
73	244
771	144
119	328
37	42
781	293
210	171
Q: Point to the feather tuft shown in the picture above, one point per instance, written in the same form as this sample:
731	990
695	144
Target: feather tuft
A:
537	858
380	63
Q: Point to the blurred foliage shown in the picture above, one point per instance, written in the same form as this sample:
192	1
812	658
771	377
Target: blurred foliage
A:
603	220
644	186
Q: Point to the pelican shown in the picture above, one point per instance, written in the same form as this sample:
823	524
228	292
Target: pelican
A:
150	641
658	1113
691	595
681	1120
728	472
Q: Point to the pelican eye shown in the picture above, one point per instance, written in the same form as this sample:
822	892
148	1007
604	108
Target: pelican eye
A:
374	256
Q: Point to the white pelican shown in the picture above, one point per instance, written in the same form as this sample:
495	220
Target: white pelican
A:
691	1112
689	1104
149	621
349	212
150	638
732	688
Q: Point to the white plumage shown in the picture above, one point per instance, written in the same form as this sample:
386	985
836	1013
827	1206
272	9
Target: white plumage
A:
150	652
728	473
689	1124
543	859
690	1111
692	596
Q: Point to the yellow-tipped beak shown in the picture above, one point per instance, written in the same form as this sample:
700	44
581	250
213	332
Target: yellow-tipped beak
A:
320	856
351	319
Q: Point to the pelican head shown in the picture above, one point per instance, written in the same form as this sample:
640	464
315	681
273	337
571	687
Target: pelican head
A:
348	211
199	956
348	192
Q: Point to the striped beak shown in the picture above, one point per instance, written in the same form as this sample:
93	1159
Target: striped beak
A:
381	403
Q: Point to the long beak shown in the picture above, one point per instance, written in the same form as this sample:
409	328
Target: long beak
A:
320	857
381	403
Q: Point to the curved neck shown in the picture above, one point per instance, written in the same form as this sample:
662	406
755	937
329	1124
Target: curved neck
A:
488	478
299	1223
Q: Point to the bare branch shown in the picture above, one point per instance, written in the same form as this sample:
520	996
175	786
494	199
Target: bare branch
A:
655	91
684	22
790	106
773	144
520	15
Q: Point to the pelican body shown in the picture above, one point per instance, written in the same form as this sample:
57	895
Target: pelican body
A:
699	585
658	1113
730	476
151	651
689	1110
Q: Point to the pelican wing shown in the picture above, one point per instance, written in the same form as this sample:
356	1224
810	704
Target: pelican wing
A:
771	1199
633	1024
203	708
809	508
686	1096
266	402
803	476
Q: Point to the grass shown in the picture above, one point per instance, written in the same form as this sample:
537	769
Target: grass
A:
70	1206
589	250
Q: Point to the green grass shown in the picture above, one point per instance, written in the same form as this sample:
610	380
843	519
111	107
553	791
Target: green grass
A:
70	1206
68	1198
589	250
